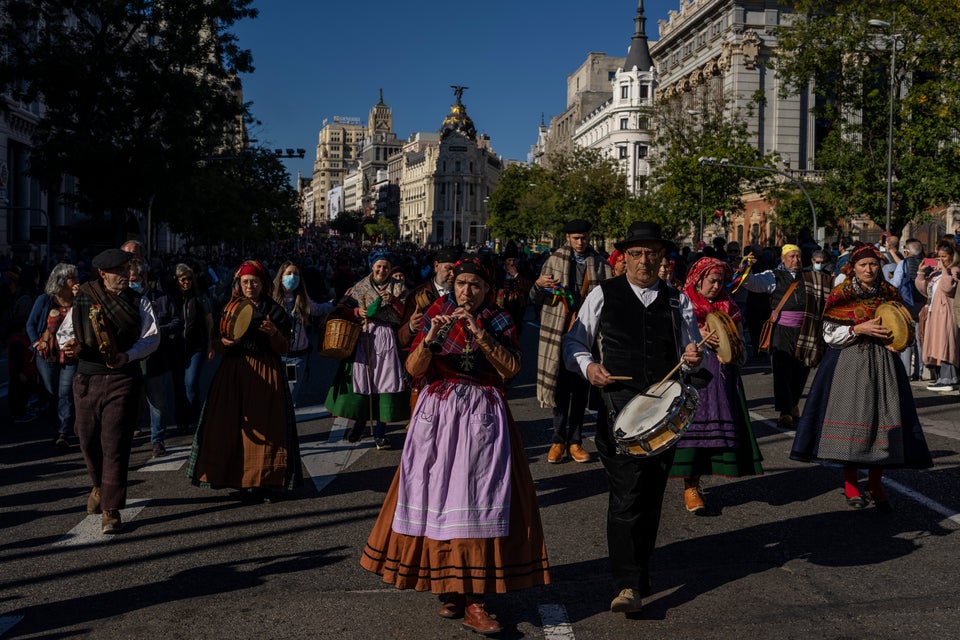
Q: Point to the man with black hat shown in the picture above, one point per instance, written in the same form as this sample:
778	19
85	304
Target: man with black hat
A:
420	299
567	276
109	329
637	325
513	287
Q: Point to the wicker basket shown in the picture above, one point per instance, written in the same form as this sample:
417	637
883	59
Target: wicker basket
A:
339	338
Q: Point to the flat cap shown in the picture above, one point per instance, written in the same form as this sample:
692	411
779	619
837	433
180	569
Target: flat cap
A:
577	225
448	254
111	259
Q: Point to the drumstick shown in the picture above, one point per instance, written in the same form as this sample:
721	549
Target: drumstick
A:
680	364
620	377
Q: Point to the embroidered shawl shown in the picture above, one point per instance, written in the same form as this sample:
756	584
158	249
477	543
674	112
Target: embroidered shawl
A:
848	304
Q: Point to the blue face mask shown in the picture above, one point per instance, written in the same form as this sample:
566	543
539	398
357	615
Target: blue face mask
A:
136	286
291	281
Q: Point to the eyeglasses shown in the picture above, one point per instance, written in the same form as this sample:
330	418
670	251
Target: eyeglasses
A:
636	254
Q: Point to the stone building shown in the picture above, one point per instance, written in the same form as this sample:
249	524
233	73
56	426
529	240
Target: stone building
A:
337	147
444	186
376	148
621	126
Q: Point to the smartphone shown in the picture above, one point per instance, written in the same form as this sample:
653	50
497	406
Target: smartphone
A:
930	262
291	372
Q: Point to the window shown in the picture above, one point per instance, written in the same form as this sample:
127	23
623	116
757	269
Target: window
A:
622	151
625	91
611	75
644	91
644	123
624	123
641	151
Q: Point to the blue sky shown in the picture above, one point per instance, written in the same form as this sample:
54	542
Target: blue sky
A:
318	58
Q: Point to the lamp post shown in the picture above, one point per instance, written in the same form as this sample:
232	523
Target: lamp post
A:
893	39
724	163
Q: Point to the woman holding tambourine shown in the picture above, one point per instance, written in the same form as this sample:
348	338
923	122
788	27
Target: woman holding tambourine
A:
719	440
247	436
860	410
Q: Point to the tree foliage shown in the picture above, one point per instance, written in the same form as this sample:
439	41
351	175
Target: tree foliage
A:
533	202
347	222
682	190
134	93
832	47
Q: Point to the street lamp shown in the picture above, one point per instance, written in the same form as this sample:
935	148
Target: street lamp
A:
894	39
724	163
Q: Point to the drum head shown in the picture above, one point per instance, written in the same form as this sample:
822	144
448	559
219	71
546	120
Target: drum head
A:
242	318
642	414
894	316
731	347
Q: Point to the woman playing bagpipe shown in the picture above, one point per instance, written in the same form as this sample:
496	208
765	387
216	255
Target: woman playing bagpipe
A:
860	410
720	440
460	518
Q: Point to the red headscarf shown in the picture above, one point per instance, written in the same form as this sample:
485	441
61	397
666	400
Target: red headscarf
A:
701	306
616	257
255	268
861	251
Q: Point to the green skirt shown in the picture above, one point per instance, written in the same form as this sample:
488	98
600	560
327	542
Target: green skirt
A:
342	401
745	460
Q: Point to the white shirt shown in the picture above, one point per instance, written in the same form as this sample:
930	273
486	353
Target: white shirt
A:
146	344
578	342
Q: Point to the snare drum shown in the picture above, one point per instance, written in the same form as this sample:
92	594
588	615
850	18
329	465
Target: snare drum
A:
894	316
654	420
730	348
236	318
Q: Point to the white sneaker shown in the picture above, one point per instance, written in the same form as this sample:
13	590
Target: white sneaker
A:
940	387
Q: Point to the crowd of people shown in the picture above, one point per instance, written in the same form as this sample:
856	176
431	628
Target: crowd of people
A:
119	342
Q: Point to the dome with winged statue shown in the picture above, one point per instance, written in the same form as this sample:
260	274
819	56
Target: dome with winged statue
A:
458	120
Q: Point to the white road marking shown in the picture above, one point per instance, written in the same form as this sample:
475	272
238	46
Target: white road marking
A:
8	622
555	622
174	459
88	531
312	412
951	515
324	460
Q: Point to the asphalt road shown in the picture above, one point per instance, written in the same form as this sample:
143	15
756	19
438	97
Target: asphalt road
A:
779	556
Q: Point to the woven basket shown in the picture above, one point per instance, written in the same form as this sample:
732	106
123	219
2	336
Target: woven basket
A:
339	339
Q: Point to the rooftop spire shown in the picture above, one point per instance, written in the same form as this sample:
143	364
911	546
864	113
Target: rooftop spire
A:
639	54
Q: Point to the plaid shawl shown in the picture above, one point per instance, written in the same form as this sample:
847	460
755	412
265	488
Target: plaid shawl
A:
122	313
553	318
810	344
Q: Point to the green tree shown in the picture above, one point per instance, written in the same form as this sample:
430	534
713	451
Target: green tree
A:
134	92
832	47
591	186
382	229
248	198
347	222
521	206
685	191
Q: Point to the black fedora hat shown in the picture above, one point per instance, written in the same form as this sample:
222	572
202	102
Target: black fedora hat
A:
643	232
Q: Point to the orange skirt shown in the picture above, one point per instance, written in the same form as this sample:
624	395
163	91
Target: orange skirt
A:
465	565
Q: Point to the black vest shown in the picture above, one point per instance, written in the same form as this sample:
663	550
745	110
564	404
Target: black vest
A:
638	341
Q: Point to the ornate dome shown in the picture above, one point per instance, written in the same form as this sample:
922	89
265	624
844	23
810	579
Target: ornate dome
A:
458	120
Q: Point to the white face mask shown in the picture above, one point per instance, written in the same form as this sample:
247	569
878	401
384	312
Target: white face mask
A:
818	266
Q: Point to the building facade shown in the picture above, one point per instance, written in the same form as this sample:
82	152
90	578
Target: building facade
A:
444	185
621	127
337	151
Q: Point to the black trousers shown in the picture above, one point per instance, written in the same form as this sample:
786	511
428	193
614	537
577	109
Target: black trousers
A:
633	512
789	378
570	397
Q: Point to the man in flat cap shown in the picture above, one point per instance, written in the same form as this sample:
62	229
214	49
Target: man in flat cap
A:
110	329
576	268
639	328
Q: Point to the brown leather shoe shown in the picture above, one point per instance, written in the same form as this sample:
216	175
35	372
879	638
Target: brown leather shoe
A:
556	453
785	421
578	453
110	522
93	501
476	618
692	495
453	605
